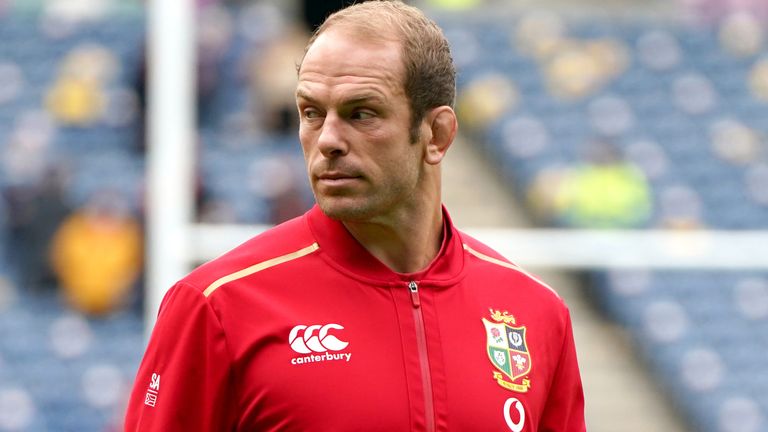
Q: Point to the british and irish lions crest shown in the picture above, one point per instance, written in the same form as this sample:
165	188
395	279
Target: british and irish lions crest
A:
508	351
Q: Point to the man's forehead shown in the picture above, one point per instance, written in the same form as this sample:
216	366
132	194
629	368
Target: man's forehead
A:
349	38
349	91
350	66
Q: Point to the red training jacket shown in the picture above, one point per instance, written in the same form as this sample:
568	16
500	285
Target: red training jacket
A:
301	329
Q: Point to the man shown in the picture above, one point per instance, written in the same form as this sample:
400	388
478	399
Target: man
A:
372	312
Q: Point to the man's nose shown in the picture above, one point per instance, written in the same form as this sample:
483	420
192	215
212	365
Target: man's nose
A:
332	141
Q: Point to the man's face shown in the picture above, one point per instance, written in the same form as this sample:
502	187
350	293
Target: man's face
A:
354	129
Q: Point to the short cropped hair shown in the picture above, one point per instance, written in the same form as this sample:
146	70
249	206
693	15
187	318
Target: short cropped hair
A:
430	75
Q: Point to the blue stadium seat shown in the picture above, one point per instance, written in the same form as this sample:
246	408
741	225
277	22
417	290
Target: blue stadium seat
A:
704	299
540	132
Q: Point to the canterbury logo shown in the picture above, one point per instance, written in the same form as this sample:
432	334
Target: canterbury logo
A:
315	338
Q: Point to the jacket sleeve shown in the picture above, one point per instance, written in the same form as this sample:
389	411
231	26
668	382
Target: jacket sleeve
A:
185	381
564	409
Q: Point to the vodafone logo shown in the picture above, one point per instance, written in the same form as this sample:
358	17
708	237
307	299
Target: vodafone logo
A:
516	421
317	339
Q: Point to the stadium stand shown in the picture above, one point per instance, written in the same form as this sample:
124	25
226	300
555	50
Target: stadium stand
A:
69	102
683	104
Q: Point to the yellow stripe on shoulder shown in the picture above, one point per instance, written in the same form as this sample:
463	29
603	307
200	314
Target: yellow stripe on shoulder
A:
490	259
259	267
510	266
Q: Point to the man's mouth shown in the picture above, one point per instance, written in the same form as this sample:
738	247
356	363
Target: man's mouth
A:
337	175
335	178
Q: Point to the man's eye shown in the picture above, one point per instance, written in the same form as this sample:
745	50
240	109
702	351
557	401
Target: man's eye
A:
311	113
362	115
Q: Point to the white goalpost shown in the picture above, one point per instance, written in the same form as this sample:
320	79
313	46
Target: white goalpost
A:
170	146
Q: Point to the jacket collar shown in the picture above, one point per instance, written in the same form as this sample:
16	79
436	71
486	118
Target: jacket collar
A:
345	252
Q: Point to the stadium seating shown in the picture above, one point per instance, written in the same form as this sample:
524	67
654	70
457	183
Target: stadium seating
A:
676	103
59	370
681	109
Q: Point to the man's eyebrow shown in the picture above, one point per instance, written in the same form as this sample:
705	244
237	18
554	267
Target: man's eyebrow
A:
362	98
352	100
301	94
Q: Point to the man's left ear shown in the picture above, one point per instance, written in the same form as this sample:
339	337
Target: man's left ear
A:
443	126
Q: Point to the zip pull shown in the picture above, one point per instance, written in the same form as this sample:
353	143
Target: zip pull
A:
414	288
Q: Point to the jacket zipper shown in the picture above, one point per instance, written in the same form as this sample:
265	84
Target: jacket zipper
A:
421	342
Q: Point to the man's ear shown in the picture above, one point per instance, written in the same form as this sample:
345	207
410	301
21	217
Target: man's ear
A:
443	126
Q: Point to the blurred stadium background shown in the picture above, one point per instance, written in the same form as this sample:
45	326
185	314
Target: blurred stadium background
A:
626	117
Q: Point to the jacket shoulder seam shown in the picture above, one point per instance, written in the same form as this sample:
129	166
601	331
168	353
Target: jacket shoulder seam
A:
510	266
255	268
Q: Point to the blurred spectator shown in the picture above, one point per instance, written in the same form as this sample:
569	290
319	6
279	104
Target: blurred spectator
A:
485	99
539	33
735	142
276	180
680	207
604	192
758	80
35	212
579	68
573	68
97	255
715	10
271	87
214	36
216	211
78	97
77	101
542	192
287	205
659	50
65	11
694	93
741	34
26	154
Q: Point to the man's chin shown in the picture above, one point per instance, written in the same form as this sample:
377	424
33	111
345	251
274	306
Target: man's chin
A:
343	209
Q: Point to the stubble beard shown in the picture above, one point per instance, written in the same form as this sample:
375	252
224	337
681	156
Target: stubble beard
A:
353	209
366	208
380	200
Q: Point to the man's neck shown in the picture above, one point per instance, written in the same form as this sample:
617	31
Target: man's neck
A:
405	244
